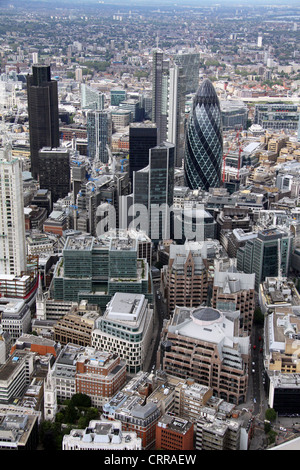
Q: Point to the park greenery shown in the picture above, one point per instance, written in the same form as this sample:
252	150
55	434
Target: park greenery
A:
75	413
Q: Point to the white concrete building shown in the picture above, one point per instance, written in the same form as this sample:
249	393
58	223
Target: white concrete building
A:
102	435
126	328
15	317
12	222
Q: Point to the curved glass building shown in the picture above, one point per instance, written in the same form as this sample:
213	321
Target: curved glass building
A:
204	140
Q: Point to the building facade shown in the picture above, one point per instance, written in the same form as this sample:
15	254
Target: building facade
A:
277	116
235	291
174	433
43	116
193	345
142	137
127	328
153	188
16	318
267	255
176	112
190	63
185	278
91	98
99	132
98	374
102	435
95	269
55	172
204	140
160	78
12	222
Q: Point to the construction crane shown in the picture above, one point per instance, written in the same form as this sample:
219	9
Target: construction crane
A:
237	138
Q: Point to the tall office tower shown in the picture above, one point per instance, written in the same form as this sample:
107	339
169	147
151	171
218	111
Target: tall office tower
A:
78	176
190	62
233	291
99	132
259	41
153	187
142	137
186	276
267	255
54	165
146	103
43	114
117	96
12	222
176	114
204	140
91	98
160	78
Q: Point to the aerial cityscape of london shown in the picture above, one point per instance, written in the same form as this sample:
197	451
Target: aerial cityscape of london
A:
149	227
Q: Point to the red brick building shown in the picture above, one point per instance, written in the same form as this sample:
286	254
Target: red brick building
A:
100	376
173	433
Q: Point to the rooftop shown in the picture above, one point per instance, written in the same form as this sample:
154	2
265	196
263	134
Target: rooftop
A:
125	307
174	423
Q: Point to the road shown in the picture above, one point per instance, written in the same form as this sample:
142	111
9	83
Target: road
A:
160	313
257	374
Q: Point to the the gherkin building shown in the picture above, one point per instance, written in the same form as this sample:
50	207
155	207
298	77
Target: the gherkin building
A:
204	140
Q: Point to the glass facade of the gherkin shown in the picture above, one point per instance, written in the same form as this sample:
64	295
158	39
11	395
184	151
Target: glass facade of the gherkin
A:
204	140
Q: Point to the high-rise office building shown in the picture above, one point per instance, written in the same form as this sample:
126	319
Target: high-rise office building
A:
176	113
203	344
190	62
91	98
12	222
235	291
43	113
94	269
153	187
54	167
117	96
204	140
160	78
99	132
267	255
142	137
186	276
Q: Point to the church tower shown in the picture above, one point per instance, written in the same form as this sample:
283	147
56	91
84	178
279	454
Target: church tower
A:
40	302
50	397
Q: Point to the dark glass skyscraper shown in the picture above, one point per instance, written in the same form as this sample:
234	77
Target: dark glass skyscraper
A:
204	140
99	131
54	171
43	113
153	187
142	137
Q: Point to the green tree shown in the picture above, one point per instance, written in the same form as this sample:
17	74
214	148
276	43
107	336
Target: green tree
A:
71	414
81	399
270	414
271	436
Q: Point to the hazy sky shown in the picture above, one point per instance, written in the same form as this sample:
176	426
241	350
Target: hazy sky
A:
170	2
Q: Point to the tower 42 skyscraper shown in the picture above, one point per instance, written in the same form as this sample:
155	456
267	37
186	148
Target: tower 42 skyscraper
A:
43	114
204	140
